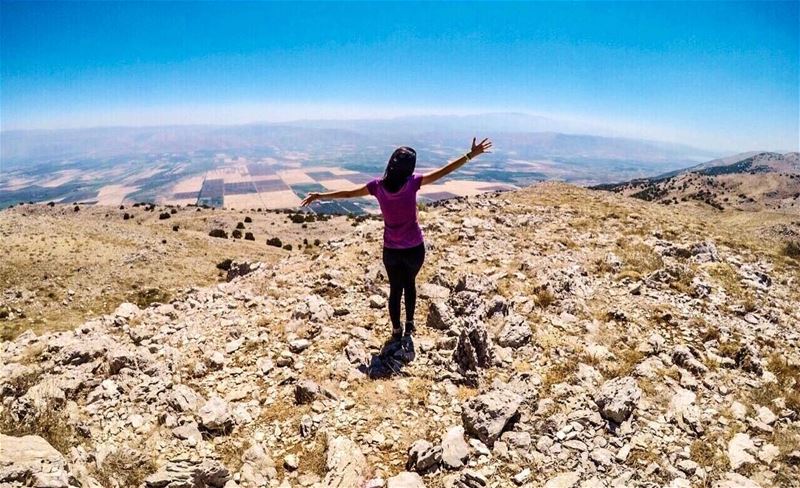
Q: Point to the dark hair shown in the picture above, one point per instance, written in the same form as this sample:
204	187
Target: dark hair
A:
399	168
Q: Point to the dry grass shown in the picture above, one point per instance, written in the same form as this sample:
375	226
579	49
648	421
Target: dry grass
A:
50	423
708	454
230	451
123	468
561	372
638	259
728	279
543	296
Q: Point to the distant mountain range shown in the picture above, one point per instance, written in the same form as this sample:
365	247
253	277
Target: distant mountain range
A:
517	135
746	181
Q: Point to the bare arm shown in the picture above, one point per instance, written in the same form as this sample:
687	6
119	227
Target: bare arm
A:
355	192
477	150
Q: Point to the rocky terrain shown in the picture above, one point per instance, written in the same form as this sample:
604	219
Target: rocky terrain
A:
63	266
749	181
567	338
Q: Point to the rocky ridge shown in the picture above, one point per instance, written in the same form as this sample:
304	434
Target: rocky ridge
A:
567	338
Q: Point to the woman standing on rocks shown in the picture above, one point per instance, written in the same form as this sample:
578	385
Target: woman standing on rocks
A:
403	246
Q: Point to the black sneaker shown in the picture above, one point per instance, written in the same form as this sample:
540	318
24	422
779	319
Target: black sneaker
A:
410	329
397	333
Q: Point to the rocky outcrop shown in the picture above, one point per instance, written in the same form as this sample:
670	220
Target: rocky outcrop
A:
488	414
32	461
618	398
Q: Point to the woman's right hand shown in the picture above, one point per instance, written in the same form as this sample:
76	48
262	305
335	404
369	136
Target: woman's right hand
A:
309	198
478	149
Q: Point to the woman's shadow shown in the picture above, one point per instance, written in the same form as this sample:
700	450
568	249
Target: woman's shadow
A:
392	358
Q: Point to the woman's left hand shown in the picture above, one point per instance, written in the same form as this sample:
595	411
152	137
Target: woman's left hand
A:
482	147
309	198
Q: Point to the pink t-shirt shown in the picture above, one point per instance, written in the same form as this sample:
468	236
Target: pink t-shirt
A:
400	226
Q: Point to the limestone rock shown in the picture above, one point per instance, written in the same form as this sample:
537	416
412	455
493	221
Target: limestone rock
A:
346	464
516	332
740	448
31	461
617	398
186	474
423	456
406	479
486	416
215	415
455	450
564	480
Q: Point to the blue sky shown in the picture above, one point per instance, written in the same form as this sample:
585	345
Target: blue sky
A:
720	75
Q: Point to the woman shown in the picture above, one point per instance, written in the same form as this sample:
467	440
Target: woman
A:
403	247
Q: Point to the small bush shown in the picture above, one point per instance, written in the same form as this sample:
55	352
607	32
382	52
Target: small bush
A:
248	236
236	234
225	264
175	228
218	233
144	298
288	247
274	241
792	249
247	220
240	225
164	215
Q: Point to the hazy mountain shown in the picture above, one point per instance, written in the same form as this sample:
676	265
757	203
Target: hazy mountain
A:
524	135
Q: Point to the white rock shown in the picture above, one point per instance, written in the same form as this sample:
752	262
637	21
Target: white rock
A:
564	480
739	449
405	479
455	450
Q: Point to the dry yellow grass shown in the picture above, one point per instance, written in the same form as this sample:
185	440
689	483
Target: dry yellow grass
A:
68	266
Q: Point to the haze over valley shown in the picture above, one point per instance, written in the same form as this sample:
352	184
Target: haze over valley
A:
275	165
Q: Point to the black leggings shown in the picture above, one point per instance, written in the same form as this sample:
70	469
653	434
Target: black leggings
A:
402	266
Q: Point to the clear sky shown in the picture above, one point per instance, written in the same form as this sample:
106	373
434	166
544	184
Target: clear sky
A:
720	75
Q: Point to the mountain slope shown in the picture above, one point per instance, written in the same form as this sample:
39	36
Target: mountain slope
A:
747	181
566	336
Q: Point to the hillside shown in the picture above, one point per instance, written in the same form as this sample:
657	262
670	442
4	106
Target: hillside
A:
748	181
63	266
567	338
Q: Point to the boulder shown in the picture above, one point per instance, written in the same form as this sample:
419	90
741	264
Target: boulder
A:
189	474
184	399
617	398
257	468
31	461
747	359
440	317
423	456
467	479
473	349
516	332
740	450
486	416
455	450
346	464
314	308
564	480
687	358
474	283
215	415
406	479
306	391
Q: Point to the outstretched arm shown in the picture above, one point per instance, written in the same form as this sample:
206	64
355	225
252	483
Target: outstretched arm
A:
355	192
477	150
